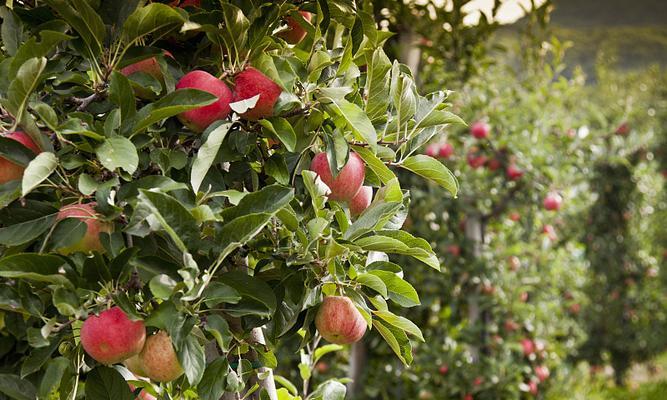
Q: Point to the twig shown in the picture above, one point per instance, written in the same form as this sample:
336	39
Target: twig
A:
86	101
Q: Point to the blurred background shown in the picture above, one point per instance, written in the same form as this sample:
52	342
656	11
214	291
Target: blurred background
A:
555	250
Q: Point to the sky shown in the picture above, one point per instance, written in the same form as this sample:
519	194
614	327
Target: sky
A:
509	11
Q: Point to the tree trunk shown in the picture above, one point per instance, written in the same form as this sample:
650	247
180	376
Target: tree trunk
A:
357	362
410	53
474	232
268	383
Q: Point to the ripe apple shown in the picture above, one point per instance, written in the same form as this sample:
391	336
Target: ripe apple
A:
550	231
112	337
494	164
339	321
510	325
322	367
349	180
295	33
623	129
443	369
542	372
250	83
523	297
575	308
532	388
8	170
446	150
480	129
476	160
488	289
159	360
528	347
186	3
433	150
200	118
454	250
515	216
468	397
361	200
513	172
553	201
86	213
478	381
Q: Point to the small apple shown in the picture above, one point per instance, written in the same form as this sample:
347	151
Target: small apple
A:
111	337
623	129
523	297
322	367
494	164
86	213
454	250
575	308
476	160
532	388
158	358
432	150
468	397
446	150
425	395
514	263
8	170
200	118
361	200
553	201
527	346
542	372
510	325
513	172
550	231
295	33
478	381
443	369
339	321
250	83
515	216
480	129
349	180
488	289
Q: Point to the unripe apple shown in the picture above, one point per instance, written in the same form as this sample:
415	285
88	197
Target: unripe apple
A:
527	346
443	369
295	33
513	172
8	170
112	337
339	321
134	365
361	200
85	212
250	83
480	129
200	118
159	360
553	201
348	181
542	372
433	150
446	150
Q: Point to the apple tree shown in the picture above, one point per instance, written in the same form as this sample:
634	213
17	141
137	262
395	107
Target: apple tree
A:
181	190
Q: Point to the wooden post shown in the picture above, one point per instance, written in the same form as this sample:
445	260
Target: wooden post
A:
474	232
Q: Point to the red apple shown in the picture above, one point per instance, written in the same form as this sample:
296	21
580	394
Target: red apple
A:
510	325
339	321
295	33
149	66
476	160
478	381
488	289
542	372
348	181
550	231
532	388
553	201
200	118
186	3
575	308
454	250
494	164
623	129
86	213
513	172
251	83
159	360
112	337
322	367
523	297
443	369
468	397
432	150
446	150
528	347
8	170
515	216
480	129
361	200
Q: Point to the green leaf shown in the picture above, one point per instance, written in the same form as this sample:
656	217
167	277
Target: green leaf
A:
121	93
432	169
400	242
87	184
400	291
282	129
17	388
206	155
68	232
174	218
118	152
85	21
191	357
329	390
378	167
15	152
12	30
324	350
269	199
368	221
172	104
241	230
53	376
373	282
148	19
252	288
219	329
9	192
391	340
356	118
66	301
38	267
377	85
40	168
24	232
33	48
104	383
401	323
162	286
22	86
212	385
